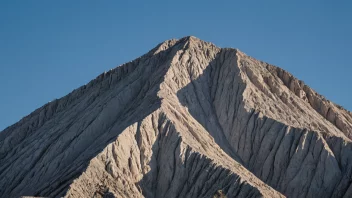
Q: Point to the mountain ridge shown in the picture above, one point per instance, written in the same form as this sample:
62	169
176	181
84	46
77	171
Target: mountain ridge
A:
185	39
247	123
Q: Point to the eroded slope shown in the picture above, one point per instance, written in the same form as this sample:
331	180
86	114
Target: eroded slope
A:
158	157
58	148
188	119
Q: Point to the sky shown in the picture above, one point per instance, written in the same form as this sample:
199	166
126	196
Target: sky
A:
49	48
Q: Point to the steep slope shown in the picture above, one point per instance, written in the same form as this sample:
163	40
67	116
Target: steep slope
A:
188	119
67	148
278	135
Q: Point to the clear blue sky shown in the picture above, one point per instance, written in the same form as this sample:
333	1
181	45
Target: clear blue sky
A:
49	48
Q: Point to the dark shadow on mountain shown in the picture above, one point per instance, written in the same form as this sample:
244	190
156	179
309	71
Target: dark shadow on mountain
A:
195	176
198	97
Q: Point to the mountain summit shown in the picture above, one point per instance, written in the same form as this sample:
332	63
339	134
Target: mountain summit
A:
187	119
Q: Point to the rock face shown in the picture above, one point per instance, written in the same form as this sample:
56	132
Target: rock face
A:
187	119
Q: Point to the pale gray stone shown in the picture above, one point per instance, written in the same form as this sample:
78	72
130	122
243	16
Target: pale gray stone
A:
187	119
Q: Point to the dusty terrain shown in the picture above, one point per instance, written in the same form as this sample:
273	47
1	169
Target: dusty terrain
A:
187	119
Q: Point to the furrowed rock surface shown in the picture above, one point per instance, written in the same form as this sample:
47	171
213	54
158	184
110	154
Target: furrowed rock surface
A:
187	119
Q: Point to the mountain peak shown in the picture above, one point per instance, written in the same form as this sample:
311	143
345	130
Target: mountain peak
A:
190	39
187	119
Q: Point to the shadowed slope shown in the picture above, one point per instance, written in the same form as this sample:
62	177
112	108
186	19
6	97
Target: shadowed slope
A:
188	119
51	151
278	135
169	153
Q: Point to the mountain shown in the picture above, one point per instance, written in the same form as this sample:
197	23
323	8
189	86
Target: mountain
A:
187	119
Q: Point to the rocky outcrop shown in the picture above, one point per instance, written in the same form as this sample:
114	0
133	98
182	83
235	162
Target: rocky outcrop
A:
188	119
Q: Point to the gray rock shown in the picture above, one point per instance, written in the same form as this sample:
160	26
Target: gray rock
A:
187	119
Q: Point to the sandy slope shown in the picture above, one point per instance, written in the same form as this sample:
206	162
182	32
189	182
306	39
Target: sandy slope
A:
187	119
